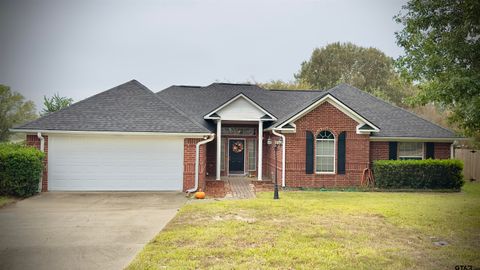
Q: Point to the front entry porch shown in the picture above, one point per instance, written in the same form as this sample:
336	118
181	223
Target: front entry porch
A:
236	187
236	151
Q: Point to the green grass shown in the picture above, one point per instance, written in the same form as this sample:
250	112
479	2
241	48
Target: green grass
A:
322	230
5	200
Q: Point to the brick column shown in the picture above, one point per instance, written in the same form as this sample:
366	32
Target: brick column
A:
34	141
189	164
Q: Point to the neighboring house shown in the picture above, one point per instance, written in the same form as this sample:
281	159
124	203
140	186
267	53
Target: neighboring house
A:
129	138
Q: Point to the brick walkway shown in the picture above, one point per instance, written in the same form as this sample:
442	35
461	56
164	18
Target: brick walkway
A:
240	188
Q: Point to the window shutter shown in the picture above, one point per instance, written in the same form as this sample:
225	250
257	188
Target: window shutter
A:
430	150
309	153
392	150
341	153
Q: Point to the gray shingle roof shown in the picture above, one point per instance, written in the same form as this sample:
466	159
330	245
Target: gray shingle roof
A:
130	107
284	104
392	121
197	102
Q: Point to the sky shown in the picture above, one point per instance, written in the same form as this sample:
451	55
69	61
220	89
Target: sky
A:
80	48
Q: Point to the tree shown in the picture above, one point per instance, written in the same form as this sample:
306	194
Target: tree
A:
55	103
281	85
368	69
441	40
14	110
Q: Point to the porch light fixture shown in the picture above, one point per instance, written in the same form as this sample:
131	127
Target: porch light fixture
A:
269	141
275	191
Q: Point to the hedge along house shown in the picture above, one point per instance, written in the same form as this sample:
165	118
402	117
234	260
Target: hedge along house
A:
129	138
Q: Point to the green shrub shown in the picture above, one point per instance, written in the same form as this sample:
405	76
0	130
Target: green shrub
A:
20	169
418	174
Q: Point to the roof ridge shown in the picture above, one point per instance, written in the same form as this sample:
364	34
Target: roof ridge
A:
295	90
175	109
302	107
395	106
49	115
239	84
186	86
183	114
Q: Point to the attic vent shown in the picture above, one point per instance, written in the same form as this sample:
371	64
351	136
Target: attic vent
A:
366	127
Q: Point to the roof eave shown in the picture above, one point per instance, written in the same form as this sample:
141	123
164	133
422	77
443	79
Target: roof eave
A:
418	139
133	133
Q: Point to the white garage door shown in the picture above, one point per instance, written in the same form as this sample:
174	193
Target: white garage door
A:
114	163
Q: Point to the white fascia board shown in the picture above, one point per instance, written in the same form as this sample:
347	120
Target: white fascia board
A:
212	118
339	105
72	132
364	131
288	130
414	139
284	130
243	119
208	115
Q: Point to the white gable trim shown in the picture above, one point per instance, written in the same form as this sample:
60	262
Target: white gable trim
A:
285	130
364	131
337	104
209	115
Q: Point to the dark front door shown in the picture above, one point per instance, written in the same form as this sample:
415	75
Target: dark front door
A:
236	154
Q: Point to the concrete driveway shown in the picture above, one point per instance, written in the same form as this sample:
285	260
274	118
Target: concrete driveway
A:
82	230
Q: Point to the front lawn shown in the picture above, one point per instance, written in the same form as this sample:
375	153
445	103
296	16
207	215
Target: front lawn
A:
322	230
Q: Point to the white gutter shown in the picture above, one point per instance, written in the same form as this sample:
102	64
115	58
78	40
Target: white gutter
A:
284	142
415	139
42	148
75	132
197	161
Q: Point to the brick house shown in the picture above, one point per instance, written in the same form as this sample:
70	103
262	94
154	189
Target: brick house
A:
129	138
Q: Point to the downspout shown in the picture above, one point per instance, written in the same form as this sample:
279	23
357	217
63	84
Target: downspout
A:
197	161
452	150
42	148
284	142
42	141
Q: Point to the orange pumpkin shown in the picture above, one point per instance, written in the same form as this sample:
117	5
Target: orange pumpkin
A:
200	194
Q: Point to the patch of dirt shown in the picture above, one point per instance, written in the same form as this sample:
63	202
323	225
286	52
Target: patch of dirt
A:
234	217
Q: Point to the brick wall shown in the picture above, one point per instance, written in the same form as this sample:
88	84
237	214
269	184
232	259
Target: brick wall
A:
379	150
189	164
269	165
326	117
442	150
212	158
33	140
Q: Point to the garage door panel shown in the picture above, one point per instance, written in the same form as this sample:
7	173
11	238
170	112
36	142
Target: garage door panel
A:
119	185
115	163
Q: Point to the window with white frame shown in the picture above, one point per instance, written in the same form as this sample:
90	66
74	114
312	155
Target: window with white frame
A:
325	154
251	154
410	150
222	155
238	131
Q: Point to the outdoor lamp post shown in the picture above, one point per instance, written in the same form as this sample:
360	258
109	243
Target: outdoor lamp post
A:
277	143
